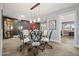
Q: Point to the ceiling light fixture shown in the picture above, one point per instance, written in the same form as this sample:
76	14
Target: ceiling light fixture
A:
35	16
21	17
38	19
30	21
35	6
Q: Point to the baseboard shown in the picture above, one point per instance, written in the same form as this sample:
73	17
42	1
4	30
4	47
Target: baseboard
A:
77	46
15	36
58	41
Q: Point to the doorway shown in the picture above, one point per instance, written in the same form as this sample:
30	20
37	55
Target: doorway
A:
67	28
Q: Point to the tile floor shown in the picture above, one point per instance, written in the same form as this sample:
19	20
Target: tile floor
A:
64	48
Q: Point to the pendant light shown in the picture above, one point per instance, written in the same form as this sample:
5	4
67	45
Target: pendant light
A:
35	16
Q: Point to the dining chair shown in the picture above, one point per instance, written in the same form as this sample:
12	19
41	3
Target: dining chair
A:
25	40
45	39
36	38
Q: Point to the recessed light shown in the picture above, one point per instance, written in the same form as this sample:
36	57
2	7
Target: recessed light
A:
38	19
30	21
34	20
22	16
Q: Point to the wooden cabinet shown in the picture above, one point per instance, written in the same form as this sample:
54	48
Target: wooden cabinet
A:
71	33
8	27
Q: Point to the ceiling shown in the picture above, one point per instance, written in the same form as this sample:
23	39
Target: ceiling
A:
15	10
68	18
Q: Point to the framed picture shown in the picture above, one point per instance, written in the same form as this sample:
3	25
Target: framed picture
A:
52	24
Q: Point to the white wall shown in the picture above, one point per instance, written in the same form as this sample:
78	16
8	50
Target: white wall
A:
55	34
77	28
0	30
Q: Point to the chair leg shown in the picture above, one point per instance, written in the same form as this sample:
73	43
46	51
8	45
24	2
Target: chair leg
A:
30	51
21	49
42	47
35	50
46	43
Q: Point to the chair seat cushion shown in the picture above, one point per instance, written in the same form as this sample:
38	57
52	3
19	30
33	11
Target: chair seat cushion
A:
22	40
26	40
35	43
45	39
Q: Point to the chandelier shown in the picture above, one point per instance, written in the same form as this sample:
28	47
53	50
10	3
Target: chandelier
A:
36	13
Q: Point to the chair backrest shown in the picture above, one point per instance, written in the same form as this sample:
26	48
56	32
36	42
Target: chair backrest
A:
45	32
20	35
45	38
36	37
26	35
25	32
